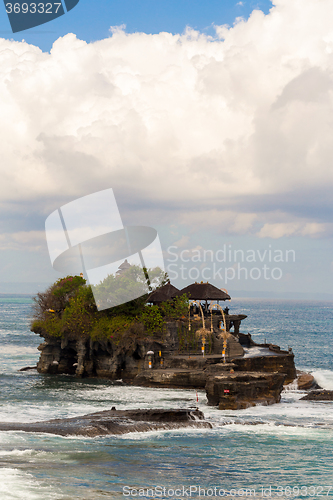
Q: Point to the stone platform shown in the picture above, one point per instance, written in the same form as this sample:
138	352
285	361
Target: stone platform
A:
239	390
227	385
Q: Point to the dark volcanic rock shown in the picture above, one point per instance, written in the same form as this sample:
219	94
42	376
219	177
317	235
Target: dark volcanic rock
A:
321	395
86	358
183	371
236	391
281	363
174	378
115	422
168	366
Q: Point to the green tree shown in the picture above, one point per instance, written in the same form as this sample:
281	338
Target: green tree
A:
67	308
132	283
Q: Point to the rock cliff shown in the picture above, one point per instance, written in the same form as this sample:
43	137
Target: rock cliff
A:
239	390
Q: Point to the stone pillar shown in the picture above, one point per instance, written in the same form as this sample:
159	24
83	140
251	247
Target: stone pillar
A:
237	323
81	354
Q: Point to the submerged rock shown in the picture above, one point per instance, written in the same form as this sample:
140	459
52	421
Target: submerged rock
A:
115	422
320	395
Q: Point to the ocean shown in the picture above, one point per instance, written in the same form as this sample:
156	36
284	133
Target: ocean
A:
278	451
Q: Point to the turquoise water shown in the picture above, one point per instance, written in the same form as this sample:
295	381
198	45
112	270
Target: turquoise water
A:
278	451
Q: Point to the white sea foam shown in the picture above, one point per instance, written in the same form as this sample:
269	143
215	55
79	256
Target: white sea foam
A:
320	434
17	485
17	453
87	400
290	412
292	387
124	397
163	433
279	430
257	351
324	378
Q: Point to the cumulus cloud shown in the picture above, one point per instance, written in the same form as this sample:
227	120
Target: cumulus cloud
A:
181	126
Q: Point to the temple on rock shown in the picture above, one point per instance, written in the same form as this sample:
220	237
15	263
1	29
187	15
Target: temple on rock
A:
203	348
206	313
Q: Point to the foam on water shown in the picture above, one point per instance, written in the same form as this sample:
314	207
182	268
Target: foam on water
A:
17	485
279	430
292	387
324	378
164	434
291	441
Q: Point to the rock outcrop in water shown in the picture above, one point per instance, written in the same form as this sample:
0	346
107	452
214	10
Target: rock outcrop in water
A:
239	390
318	395
306	381
85	357
245	380
115	422
235	371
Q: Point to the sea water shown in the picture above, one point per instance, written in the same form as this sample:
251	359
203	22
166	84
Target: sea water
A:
278	451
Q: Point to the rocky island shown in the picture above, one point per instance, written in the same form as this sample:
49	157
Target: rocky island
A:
114	422
167	338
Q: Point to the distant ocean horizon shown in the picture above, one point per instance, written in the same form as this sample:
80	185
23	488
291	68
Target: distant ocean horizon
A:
278	451
32	288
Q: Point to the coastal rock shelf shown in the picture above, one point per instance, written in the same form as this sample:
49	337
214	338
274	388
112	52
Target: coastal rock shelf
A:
115	422
318	395
249	373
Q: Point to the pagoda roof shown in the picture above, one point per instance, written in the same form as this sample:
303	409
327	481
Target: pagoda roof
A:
204	291
164	293
125	265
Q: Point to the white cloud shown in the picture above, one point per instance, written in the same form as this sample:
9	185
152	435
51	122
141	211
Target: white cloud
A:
280	230
179	123
182	242
31	241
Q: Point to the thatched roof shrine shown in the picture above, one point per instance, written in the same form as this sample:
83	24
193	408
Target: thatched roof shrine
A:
166	292
204	291
123	267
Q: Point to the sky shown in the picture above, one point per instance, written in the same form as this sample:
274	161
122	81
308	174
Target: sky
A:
211	122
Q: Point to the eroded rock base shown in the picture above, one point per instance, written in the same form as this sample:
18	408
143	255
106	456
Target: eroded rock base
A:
236	391
253	374
115	422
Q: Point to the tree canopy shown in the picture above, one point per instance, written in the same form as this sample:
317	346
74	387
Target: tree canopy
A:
68	309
